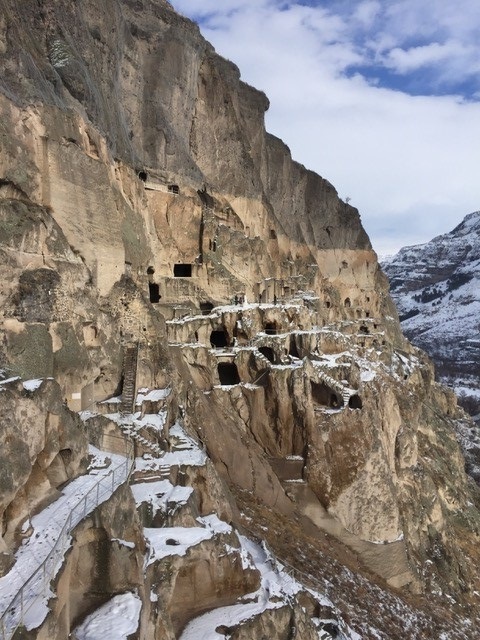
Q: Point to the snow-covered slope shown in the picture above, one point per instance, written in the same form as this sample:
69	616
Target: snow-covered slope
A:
436	287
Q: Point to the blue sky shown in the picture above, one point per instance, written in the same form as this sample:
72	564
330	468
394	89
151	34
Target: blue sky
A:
382	98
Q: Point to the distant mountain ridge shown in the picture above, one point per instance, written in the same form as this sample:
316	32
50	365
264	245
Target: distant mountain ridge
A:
436	287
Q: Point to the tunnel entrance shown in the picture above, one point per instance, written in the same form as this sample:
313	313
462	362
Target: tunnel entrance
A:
182	271
154	291
205	308
325	396
219	339
268	353
355	402
271	328
228	373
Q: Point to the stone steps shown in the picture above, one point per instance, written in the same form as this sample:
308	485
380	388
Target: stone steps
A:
129	379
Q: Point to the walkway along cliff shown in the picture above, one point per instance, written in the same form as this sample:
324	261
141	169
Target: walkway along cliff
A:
176	289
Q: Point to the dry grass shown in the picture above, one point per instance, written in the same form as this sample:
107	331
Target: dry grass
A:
362	599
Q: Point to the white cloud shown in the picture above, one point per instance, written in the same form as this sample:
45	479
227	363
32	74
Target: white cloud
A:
409	163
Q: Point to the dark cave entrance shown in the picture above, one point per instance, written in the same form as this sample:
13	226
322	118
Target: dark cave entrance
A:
268	353
355	402
325	396
219	339
271	328
205	308
228	373
182	270
154	291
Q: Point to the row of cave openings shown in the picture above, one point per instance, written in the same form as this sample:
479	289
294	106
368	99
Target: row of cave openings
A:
323	396
220	338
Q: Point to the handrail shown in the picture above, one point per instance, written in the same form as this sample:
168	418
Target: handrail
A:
36	585
291	570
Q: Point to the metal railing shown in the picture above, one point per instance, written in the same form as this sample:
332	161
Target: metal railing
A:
37	585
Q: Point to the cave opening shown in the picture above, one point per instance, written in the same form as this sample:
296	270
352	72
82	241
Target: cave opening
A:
219	339
324	396
347	302
181	270
268	353
154	291
174	188
143	175
271	328
205	308
355	402
228	373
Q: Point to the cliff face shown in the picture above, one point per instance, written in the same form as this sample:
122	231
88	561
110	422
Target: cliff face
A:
154	237
436	288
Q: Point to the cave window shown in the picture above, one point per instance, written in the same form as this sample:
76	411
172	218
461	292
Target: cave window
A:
367	299
219	339
182	270
273	234
292	350
363	329
344	264
150	271
228	373
143	175
347	302
206	308
154	291
327	304
214	245
367	314
271	328
355	402
268	353
174	188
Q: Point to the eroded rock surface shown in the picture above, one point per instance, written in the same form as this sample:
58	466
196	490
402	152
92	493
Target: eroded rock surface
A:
214	308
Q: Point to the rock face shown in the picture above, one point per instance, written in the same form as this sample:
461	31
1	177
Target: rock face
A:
211	303
436	288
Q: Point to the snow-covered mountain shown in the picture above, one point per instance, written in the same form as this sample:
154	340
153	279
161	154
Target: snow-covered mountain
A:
436	287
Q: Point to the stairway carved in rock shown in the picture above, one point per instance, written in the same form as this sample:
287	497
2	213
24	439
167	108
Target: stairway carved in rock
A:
129	378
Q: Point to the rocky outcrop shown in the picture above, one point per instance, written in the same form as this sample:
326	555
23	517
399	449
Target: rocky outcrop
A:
144	209
43	445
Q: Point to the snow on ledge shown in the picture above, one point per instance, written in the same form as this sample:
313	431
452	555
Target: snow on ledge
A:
116	619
